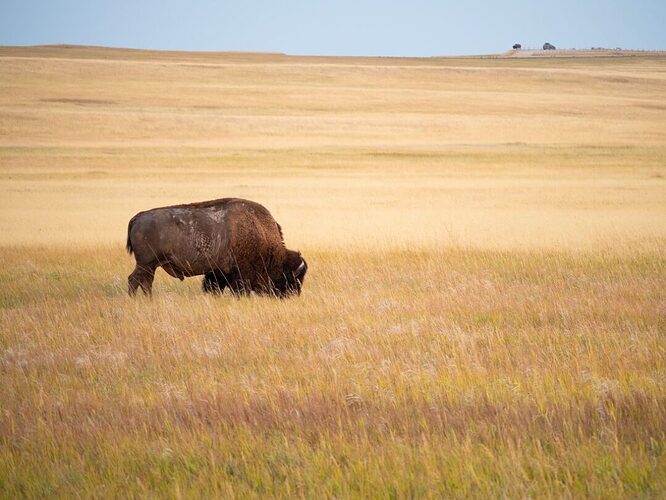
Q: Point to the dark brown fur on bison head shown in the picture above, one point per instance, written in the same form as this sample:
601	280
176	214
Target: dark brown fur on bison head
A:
289	282
293	274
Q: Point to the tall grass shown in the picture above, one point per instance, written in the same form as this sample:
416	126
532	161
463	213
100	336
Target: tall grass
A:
396	373
484	310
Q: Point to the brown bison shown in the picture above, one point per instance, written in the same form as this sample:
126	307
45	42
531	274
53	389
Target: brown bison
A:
232	242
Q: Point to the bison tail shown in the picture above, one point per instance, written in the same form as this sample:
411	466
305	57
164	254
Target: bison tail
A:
130	249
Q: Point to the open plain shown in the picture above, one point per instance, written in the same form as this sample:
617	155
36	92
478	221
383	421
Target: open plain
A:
484	314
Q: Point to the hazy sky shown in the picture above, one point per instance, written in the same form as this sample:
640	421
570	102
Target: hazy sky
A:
344	27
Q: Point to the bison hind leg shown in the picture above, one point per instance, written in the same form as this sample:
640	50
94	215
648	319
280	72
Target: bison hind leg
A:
214	282
142	276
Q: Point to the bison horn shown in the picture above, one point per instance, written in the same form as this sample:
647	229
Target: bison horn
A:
300	269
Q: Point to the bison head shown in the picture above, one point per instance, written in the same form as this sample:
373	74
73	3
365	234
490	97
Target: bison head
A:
293	274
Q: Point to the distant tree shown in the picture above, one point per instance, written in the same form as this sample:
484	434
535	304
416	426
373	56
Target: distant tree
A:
517	46
548	46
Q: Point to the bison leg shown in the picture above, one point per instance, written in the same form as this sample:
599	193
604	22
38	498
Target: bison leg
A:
142	276
239	287
214	282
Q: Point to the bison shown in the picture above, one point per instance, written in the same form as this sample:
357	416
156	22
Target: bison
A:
233	242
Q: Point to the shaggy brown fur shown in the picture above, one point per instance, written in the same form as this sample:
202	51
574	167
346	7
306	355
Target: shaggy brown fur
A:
233	242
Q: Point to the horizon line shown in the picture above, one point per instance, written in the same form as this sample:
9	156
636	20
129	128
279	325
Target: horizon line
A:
66	45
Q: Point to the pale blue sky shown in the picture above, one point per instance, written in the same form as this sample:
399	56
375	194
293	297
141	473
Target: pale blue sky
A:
336	27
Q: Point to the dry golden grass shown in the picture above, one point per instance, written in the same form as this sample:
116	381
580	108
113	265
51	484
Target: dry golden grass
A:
484	313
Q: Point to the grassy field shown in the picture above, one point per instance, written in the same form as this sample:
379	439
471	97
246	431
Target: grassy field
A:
484	314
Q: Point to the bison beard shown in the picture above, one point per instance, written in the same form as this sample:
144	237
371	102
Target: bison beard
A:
233	243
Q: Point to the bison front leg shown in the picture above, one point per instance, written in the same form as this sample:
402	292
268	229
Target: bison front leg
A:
141	277
214	282
239	287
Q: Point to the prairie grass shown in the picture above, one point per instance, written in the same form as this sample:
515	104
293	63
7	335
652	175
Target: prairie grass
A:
455	372
484	312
